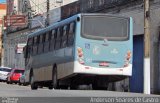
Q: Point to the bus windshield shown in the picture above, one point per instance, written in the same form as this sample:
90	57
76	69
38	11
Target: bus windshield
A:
105	27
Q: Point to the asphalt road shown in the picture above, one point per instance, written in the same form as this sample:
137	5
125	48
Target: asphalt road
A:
13	90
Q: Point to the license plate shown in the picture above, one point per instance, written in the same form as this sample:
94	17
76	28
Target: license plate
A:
104	64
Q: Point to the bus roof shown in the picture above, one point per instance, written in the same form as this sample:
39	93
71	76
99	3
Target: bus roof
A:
68	20
57	24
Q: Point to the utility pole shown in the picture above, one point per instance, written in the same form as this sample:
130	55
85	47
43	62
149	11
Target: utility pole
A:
147	47
48	8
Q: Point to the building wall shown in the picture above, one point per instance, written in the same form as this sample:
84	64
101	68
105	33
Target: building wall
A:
11	40
40	6
136	11
37	6
9	6
11	57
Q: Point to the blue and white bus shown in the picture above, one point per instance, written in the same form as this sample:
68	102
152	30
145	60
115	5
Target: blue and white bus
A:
83	49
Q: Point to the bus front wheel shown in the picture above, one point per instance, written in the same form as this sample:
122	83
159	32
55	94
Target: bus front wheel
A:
33	85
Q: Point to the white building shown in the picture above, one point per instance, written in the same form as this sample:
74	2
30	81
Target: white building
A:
37	6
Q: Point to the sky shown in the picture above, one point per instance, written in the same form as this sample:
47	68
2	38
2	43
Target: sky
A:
2	1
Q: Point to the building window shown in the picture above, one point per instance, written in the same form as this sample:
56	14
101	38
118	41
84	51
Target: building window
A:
91	2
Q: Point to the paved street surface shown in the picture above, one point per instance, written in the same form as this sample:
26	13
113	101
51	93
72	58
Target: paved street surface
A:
13	90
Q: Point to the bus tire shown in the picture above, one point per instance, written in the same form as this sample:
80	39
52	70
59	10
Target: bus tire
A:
73	87
63	86
7	82
54	79
24	84
33	85
94	87
74	84
19	84
99	84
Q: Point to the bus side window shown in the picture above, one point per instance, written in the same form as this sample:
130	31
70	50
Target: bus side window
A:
58	39
29	47
35	46
40	46
25	52
43	41
38	41
32	43
64	37
46	44
49	39
52	39
71	34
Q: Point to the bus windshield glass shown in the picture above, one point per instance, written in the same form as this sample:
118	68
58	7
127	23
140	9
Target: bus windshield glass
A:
105	27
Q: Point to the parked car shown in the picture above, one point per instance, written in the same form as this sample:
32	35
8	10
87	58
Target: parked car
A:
14	76
4	71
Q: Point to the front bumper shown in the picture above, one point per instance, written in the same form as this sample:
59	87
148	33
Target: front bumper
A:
3	78
82	69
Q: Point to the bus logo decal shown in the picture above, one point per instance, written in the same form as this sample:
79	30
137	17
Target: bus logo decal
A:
114	51
87	46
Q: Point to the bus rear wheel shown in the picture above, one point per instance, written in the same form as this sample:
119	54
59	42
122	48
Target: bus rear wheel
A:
54	79
33	85
95	87
100	84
